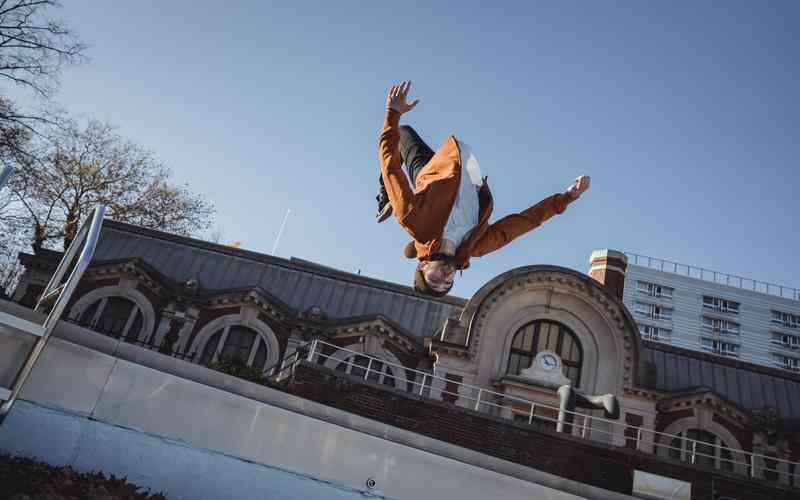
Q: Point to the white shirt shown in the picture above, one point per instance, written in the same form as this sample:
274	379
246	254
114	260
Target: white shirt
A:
464	214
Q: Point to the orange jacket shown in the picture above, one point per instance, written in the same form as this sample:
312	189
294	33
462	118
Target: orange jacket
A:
423	212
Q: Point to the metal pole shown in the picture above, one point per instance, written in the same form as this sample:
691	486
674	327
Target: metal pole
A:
694	450
638	438
280	232
478	402
311	351
530	417
753	465
369	365
422	386
585	426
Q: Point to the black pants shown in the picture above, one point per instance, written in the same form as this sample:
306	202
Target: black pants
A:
414	152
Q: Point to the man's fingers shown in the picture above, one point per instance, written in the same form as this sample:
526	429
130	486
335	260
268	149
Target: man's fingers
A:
413	103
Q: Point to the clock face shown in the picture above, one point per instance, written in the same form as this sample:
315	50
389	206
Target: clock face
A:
549	361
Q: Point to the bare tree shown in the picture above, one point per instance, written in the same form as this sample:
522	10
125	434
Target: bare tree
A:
33	49
78	167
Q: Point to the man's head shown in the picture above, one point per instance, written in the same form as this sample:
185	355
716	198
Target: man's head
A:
435	276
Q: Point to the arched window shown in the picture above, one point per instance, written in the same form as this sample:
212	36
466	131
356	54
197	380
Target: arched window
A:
543	335
706	447
237	342
357	365
114	316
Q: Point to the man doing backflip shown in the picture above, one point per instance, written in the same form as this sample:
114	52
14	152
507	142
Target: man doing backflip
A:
447	204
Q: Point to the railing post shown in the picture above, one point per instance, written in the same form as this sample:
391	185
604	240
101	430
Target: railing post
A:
478	402
694	451
753	465
638	439
533	410
422	385
311	351
585	426
369	365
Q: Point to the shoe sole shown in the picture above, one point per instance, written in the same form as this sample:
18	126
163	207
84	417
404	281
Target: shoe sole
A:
384	214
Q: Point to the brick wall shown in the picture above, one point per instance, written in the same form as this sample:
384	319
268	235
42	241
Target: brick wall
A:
566	456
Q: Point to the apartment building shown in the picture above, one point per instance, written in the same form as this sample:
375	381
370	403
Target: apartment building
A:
715	312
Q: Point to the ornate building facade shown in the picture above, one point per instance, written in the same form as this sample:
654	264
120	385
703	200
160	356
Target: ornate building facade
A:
541	353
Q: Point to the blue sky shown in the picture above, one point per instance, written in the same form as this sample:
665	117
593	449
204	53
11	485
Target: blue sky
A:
685	114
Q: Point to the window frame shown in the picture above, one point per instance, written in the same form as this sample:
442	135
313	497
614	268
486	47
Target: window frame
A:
562	331
224	332
102	303
383	378
719	304
786	320
686	448
721	327
653	311
718	349
658	334
654	289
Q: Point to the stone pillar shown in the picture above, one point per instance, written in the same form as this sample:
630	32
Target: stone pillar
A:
608	267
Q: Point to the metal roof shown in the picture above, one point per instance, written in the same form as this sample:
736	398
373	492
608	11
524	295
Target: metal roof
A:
750	386
299	284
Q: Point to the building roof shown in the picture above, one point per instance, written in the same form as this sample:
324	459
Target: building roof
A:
750	386
344	296
297	283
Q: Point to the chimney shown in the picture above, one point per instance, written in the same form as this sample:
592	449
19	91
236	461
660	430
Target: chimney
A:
608	267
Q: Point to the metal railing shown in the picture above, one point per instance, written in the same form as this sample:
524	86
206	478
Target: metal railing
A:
147	343
717	277
431	386
58	293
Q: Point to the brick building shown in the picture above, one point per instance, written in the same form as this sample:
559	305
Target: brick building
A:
486	374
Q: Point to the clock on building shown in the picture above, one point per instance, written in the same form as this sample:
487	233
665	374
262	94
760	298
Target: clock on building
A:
546	368
548	360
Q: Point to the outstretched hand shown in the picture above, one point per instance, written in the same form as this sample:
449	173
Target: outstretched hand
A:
396	99
578	187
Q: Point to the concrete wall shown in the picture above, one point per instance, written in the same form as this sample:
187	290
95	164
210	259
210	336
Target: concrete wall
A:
172	467
98	403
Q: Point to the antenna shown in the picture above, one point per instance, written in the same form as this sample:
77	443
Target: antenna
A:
280	232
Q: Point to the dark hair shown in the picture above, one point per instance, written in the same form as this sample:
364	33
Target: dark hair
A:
422	286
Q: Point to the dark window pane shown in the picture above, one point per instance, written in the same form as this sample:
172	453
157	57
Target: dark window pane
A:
210	349
136	326
238	344
566	346
527	343
261	356
388	378
676	447
519	340
88	315
546	335
115	315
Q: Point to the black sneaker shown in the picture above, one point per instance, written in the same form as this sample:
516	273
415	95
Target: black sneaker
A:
384	207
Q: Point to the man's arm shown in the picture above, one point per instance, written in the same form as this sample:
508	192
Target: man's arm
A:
401	195
513	226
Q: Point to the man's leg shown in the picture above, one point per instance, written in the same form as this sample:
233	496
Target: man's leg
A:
415	154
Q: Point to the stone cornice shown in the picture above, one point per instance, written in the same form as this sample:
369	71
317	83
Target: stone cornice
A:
706	398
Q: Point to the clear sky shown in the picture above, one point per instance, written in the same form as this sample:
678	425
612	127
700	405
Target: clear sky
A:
685	114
